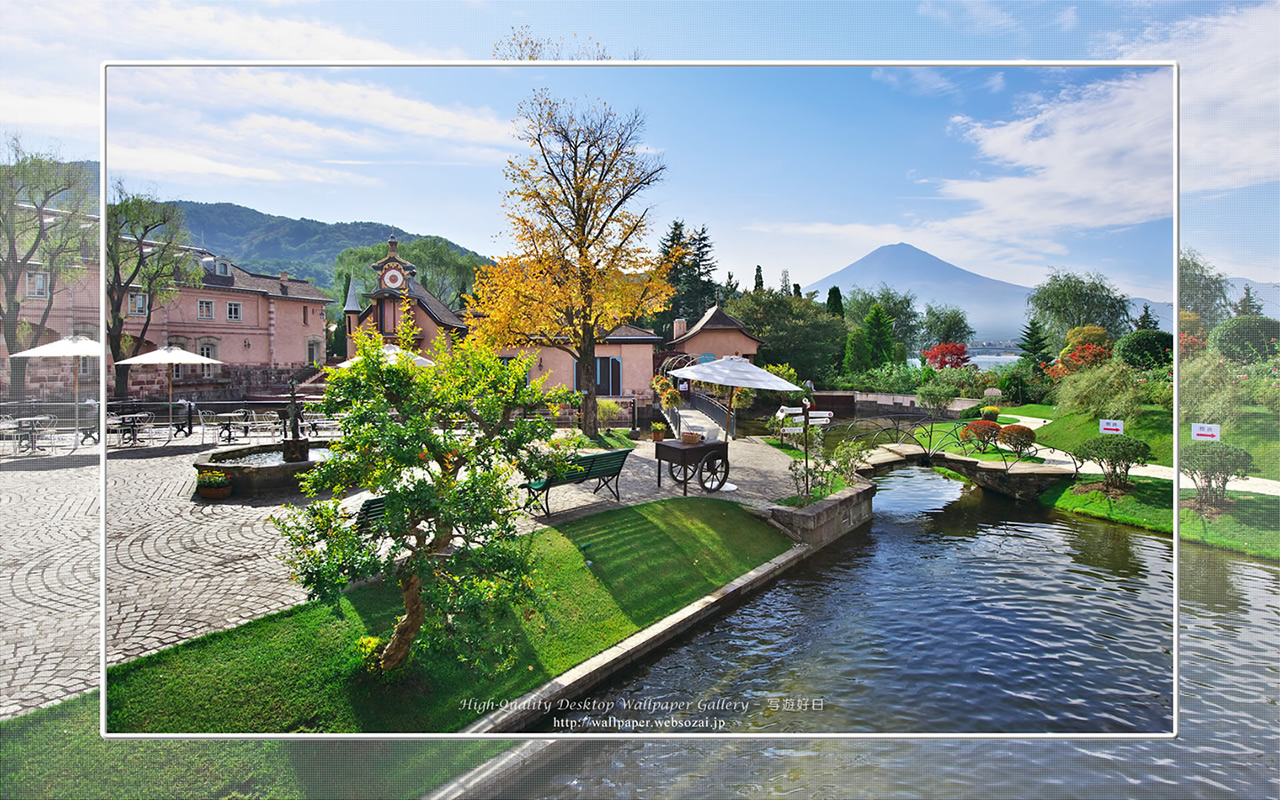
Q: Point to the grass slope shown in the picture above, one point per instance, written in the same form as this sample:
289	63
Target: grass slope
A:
1250	524
56	752
1152	425
604	578
1148	505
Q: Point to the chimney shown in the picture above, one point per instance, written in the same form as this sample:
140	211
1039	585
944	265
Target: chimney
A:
284	277
678	327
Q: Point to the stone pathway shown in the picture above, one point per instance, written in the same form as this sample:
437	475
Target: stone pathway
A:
178	567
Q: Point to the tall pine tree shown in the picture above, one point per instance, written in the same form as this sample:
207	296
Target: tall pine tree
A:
878	329
759	284
835	303
1248	305
1148	321
1035	345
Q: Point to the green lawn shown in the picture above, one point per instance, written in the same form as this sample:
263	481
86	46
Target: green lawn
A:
1256	431
1036	410
1250	525
1152	425
1148	505
604	577
56	752
612	439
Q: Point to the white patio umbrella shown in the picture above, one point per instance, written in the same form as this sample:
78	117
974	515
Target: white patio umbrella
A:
77	347
735	372
170	355
392	352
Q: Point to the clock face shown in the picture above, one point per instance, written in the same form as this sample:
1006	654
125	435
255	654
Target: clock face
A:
393	279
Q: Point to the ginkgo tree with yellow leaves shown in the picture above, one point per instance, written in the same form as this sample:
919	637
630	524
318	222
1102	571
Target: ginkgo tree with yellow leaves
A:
579	265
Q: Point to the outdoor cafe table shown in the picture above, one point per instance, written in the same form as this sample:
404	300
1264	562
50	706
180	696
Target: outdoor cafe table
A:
710	460
128	425
26	428
225	421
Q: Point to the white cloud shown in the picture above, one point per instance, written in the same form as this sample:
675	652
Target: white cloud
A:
161	161
917	80
974	16
1066	20
1230	95
995	84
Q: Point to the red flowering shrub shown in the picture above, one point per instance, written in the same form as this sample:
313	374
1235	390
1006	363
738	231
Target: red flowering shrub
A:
946	355
1017	438
981	431
1082	357
1189	345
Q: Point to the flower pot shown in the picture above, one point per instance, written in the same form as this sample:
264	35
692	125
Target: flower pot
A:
214	492
658	436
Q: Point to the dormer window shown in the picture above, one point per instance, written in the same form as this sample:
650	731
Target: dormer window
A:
222	267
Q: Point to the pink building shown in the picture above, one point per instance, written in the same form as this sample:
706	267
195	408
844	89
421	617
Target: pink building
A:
265	328
714	336
624	360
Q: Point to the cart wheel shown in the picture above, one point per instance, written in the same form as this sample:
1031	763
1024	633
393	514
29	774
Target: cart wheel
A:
713	472
680	473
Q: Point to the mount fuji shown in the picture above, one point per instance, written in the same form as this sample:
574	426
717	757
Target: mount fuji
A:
996	309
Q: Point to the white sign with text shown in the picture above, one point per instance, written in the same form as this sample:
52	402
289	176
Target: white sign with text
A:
1111	426
1207	433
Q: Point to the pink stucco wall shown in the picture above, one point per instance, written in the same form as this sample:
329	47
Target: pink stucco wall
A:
721	343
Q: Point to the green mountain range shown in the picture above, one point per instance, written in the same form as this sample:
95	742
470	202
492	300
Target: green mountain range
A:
305	248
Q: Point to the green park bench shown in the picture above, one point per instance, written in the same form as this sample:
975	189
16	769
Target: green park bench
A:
604	468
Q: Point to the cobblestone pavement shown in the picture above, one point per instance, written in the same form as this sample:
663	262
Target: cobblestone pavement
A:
179	567
49	601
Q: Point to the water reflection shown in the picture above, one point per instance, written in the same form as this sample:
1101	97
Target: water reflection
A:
1228	743
946	614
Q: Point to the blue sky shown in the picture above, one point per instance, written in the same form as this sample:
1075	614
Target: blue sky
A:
1005	170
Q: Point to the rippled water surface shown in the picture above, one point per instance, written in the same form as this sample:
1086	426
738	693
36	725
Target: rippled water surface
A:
1229	724
953	612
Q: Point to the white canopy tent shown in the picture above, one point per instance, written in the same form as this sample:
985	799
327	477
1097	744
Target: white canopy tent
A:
169	355
392	352
737	373
77	347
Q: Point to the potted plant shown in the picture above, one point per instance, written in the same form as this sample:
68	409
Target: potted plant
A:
213	485
659	431
990	413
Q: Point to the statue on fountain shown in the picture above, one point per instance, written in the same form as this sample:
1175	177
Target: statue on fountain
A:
297	448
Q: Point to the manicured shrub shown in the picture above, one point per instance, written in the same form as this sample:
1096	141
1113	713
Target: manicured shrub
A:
1116	454
1145	349
1211	465
983	432
1078	359
607	411
935	397
1246	339
1018	438
1086	334
1190	346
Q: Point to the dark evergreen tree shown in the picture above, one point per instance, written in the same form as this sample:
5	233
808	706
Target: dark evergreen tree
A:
1035	345
900	306
835	303
759	284
878	329
856	357
1148	321
728	290
1248	305
696	289
795	290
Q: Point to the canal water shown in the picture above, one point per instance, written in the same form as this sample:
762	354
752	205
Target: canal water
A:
993	636
952	611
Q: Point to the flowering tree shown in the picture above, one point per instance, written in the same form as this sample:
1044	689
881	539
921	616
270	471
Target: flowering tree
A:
440	445
1083	357
946	355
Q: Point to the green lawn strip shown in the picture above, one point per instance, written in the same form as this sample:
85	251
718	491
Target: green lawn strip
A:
952	474
1251	524
612	439
1152	425
297	670
786	448
1036	410
1149	504
1256	432
56	753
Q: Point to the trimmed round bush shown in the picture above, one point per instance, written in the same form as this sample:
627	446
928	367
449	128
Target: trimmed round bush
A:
1246	339
1116	454
982	431
1145	349
1017	438
1211	465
